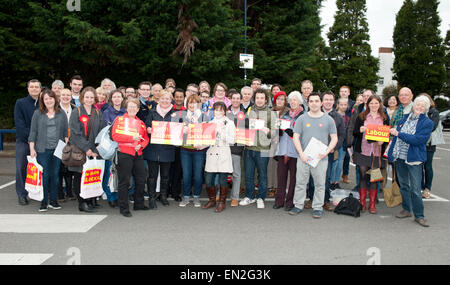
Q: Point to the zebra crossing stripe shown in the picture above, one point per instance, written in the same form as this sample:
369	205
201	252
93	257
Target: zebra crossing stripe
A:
43	223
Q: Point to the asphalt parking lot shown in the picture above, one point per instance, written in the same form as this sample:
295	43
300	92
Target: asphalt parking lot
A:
238	236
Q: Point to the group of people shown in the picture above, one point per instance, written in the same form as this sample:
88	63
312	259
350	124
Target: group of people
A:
283	126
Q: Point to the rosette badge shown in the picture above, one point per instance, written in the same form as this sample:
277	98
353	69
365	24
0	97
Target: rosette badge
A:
84	119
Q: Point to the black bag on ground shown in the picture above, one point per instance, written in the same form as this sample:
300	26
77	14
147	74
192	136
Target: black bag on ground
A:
349	206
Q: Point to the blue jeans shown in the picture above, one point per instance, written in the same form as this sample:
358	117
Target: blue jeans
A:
258	160
336	168
192	163
211	176
111	196
428	171
50	174
409	179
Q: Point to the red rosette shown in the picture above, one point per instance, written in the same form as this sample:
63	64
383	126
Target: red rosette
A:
84	120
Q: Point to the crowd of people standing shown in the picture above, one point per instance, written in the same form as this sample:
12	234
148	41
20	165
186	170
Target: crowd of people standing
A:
283	126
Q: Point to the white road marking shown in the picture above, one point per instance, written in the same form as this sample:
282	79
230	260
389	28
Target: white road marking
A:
446	149
43	223
7	184
24	258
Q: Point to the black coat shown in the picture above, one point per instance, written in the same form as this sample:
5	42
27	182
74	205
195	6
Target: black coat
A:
159	152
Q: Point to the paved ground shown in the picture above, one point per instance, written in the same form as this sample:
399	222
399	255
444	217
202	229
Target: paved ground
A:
243	235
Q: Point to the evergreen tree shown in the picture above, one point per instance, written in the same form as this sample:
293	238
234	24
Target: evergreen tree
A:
350	54
419	53
446	90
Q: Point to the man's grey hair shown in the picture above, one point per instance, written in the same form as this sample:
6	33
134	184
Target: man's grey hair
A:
107	80
247	87
58	82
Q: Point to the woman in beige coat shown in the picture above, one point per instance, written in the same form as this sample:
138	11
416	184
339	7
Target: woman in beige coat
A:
218	157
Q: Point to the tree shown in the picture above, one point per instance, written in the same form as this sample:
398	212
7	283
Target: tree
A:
350	54
446	89
390	90
419	54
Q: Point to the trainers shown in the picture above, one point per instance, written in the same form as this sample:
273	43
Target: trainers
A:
197	203
43	208
184	202
295	211
317	214
260	203
247	201
54	205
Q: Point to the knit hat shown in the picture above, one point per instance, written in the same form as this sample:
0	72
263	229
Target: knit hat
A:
278	94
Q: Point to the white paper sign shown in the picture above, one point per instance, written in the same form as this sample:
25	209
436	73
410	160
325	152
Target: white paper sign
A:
313	149
59	149
285	124
257	124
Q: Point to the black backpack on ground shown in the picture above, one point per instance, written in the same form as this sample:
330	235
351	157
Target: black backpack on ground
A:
349	206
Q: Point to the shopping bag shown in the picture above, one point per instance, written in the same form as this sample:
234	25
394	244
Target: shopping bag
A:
113	181
91	178
392	195
33	182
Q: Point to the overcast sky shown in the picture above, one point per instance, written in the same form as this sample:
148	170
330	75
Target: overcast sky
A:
381	17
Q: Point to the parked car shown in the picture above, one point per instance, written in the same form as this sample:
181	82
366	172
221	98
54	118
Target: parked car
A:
445	118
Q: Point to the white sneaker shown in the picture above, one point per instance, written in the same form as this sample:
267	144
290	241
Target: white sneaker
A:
260	203
184	202
197	203
247	201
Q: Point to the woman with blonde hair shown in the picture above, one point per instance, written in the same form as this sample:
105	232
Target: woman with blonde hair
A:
159	156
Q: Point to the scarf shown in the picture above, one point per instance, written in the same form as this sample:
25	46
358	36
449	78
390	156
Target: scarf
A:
398	116
294	113
99	106
193	116
225	100
161	111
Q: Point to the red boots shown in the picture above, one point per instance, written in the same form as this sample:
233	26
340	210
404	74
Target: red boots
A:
372	199
362	198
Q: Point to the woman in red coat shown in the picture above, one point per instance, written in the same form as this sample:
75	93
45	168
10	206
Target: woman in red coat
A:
131	134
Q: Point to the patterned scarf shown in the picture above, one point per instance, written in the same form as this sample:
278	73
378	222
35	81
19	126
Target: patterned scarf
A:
398	117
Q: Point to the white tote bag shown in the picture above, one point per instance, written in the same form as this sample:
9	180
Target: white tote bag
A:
91	179
33	182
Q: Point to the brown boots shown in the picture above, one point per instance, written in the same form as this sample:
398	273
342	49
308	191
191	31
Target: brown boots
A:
212	198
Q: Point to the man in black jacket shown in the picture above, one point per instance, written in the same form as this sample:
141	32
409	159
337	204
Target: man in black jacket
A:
23	112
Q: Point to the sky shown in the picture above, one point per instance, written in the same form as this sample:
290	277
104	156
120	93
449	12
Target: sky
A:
381	18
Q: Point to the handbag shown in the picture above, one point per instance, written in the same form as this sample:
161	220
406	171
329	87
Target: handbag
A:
437	136
349	206
72	155
375	173
392	195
